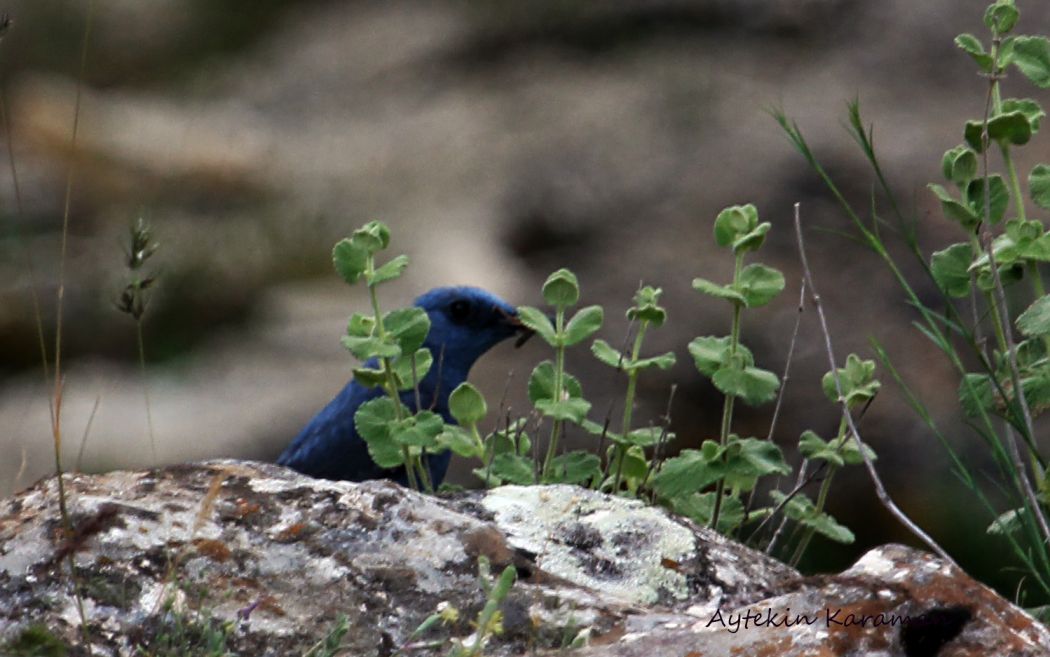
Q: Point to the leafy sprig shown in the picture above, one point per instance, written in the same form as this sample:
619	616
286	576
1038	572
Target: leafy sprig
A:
391	346
732	461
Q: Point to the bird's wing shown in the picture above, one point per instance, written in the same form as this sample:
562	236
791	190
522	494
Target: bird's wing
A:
329	446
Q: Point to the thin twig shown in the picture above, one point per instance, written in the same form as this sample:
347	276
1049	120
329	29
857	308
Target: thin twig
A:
21	467
30	268
145	389
56	406
790	355
87	432
783	385
662	440
880	489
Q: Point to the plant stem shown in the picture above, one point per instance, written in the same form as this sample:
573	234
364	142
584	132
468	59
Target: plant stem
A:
727	407
628	404
145	388
880	489
559	369
822	496
391	384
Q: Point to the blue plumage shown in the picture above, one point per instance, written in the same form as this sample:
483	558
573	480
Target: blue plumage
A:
465	322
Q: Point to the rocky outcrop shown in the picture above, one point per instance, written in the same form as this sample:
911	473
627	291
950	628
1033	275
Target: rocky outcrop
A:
258	560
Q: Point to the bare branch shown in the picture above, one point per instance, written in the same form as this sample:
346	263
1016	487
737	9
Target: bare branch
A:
880	489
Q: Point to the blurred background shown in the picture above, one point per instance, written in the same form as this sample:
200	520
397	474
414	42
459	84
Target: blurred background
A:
500	140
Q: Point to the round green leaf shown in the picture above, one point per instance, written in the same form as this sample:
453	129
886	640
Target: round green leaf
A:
955	210
561	289
419	430
390	270
950	269
604	352
583	325
536	320
999	198
350	260
1001	17
719	291
813	447
960	165
575	468
759	284
1035	320
374	420
755	386
467	405
752	240
1031	55
541	383
663	361
408	326
734	222
1010	128
573	409
972	46
459	441
513	468
710	353
372	237
686	473
370	347
699	507
369	377
410	372
1032	110
1039	185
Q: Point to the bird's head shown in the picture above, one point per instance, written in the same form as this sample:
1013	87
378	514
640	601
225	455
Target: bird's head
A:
465	322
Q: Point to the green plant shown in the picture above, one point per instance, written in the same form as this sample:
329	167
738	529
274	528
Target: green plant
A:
627	451
556	394
731	461
1002	246
35	641
181	632
329	646
859	388
490	618
489	621
391	346
135	297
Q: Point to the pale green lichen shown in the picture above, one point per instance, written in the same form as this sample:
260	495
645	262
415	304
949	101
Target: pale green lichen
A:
618	546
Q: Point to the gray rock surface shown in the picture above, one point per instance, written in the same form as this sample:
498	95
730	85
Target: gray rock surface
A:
273	559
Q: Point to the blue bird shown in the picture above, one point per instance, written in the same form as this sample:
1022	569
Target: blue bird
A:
465	322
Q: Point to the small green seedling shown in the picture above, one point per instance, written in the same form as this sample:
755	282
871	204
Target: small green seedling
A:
555	393
733	462
627	460
391	346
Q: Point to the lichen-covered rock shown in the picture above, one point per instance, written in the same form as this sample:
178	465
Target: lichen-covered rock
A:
267	560
894	602
239	558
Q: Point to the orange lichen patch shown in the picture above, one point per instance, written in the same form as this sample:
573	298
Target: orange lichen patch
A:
246	508
269	604
291	532
214	550
671	564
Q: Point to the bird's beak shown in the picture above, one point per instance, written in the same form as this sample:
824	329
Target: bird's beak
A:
524	332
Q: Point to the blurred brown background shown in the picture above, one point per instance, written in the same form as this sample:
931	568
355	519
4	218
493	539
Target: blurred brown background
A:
499	140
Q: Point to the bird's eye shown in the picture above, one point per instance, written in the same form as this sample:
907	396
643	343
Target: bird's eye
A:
459	310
